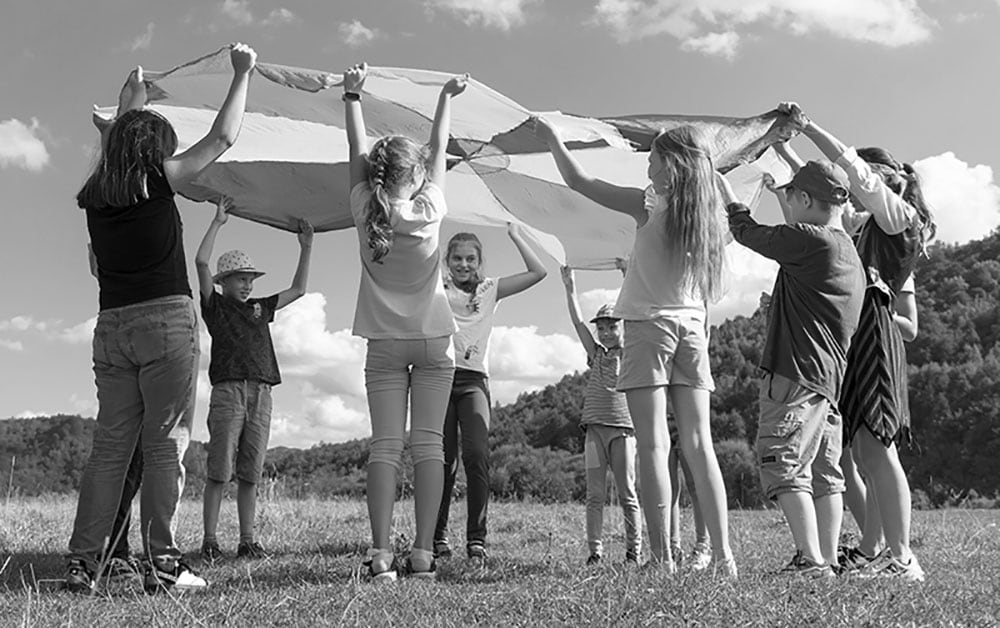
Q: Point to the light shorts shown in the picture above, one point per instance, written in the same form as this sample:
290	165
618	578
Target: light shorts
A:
799	440
239	424
597	444
665	351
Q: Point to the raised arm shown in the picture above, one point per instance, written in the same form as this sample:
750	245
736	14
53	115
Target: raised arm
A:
206	285
131	97
582	331
301	279
786	211
629	201
184	167
357	138
535	269
437	161
788	155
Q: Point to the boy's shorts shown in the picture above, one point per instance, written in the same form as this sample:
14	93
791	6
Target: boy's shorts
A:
597	444
799	440
239	424
665	351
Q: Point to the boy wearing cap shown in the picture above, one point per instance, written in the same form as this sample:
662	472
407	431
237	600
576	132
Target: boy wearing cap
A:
242	370
610	437
814	311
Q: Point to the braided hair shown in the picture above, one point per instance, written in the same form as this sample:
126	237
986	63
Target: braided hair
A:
392	162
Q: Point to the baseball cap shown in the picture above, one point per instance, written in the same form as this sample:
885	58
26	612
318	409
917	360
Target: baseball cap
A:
605	311
822	180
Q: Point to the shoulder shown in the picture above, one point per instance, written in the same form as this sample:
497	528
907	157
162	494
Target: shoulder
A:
431	197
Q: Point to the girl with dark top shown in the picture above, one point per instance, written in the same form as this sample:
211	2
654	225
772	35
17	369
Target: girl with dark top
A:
146	338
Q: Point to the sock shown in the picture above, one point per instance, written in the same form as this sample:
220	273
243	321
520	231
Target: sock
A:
209	540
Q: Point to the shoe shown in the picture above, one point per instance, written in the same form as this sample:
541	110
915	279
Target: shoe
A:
121	569
852	559
593	559
410	572
631	558
805	568
180	578
79	579
251	549
381	566
211	553
725	568
678	555
885	565
476	551
442	549
701	556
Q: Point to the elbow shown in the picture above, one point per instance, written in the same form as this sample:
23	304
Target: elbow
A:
540	274
909	334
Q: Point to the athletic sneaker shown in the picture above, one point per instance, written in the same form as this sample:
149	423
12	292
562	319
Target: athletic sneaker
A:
123	569
806	568
701	556
885	565
381	565
211	553
79	579
442	549
476	551
851	559
180	578
410	572
594	559
251	549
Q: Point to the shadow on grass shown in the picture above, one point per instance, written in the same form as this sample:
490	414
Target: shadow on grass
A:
31	570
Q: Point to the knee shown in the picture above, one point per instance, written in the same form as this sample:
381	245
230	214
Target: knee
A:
426	446
388	451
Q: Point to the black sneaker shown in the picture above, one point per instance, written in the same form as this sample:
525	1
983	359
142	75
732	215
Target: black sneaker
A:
79	579
593	559
476	551
251	549
442	549
211	553
180	578
122	569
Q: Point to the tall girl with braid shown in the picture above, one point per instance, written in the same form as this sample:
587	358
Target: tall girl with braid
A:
473	300
892	226
397	200
675	267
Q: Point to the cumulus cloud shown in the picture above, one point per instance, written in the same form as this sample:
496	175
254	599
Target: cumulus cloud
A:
965	198
697	23
11	345
748	274
81	333
142	41
500	14
280	16
237	11
522	360
23	323
21	145
320	418
356	34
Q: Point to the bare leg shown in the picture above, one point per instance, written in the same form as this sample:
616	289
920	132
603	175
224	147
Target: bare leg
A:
648	407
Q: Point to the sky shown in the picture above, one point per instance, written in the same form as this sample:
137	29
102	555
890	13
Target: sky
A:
914	76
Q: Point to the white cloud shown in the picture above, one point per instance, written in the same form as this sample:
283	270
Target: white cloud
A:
501	14
592	300
965	199
81	333
356	34
23	323
280	16
12	345
237	11
521	360
320	418
696	23
21	146
748	274
141	41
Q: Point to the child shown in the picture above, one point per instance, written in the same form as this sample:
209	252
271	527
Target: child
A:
610	437
397	199
676	265
473	301
893	226
242	370
814	311
146	338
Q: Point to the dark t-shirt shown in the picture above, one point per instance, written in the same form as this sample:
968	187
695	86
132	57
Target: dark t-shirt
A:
241	339
140	248
816	300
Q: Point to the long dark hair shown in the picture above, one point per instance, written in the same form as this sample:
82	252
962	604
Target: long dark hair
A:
901	177
471	238
392	162
138	142
694	230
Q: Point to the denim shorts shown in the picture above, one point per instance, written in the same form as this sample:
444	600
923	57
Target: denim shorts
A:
665	351
799	440
239	424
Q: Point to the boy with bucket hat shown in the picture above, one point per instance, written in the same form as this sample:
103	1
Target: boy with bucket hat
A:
610	437
242	370
814	311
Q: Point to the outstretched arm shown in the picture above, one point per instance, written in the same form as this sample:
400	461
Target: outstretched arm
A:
182	168
788	155
202	258
630	201
582	331
131	97
357	138
437	161
535	269
301	279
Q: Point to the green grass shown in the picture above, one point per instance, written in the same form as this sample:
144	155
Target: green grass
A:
534	576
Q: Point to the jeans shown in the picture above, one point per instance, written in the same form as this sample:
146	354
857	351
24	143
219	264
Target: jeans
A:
145	367
118	542
468	412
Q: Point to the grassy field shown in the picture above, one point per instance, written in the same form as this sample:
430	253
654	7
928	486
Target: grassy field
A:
534	576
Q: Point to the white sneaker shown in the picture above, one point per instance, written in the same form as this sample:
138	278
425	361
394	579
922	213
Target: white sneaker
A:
701	557
181	578
885	565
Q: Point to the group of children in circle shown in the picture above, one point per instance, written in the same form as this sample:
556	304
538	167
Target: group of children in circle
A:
428	330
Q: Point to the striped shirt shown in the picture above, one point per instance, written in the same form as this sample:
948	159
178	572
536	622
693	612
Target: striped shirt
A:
603	404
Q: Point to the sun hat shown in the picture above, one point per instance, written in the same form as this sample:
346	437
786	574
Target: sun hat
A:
822	180
232	262
605	311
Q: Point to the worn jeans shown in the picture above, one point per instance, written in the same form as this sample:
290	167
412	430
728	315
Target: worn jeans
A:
118	546
468	413
145	367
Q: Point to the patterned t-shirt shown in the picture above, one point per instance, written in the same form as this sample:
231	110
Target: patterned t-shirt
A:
474	316
241	339
603	404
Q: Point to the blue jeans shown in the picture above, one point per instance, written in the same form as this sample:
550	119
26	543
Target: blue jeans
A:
145	367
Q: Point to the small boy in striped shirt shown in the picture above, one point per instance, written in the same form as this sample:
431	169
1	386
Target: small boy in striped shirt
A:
610	438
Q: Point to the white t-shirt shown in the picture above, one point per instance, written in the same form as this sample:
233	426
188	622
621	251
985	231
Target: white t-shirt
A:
403	296
474	316
652	288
